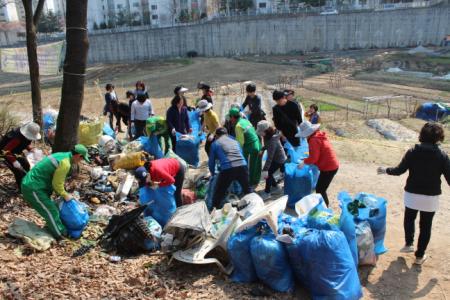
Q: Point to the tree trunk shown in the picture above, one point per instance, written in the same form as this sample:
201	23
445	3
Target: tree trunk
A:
77	45
33	64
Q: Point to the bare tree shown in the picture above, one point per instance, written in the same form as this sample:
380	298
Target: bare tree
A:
74	75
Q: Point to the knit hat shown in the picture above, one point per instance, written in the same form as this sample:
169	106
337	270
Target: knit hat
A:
262	126
31	131
82	150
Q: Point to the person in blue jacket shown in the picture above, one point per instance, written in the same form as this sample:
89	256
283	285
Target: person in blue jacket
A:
233	165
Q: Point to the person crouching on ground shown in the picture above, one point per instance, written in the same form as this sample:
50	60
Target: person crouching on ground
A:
276	157
47	176
321	154
232	165
210	122
426	162
12	146
163	172
157	126
249	141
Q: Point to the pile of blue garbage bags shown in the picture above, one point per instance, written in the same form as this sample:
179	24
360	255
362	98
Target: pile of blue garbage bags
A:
319	250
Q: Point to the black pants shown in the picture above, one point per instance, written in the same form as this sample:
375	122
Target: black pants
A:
426	221
139	127
294	141
179	180
323	183
226	177
111	119
270	181
19	174
119	118
173	139
208	144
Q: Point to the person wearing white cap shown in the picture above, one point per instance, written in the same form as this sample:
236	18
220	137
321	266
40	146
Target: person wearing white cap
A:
321	154
210	121
14	143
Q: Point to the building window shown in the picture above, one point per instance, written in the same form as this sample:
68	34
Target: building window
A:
154	7
262	5
136	4
154	17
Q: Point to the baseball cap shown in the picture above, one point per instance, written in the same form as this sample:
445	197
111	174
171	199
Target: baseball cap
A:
141	175
82	150
234	112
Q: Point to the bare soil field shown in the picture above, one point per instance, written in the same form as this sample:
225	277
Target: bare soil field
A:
54	274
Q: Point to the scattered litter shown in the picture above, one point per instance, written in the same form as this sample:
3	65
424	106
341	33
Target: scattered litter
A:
32	235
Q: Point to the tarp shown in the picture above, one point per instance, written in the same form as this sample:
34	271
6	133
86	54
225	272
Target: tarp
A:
194	216
15	60
433	111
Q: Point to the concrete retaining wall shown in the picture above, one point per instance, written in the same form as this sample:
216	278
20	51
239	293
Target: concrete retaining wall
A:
277	35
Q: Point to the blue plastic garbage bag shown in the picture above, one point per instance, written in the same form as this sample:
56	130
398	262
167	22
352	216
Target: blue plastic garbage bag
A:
299	153
348	227
74	215
194	119
271	263
321	217
376	216
107	130
188	148
323	263
155	229
238	247
160	202
151	146
299	183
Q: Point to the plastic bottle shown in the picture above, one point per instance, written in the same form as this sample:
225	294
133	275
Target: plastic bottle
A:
115	258
103	188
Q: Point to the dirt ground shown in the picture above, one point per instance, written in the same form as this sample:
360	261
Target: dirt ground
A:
54	274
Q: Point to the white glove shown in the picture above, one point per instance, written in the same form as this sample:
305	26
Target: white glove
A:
381	170
300	165
18	166
265	174
174	132
210	137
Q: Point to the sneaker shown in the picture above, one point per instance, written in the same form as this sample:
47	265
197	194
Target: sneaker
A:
265	195
420	260
407	249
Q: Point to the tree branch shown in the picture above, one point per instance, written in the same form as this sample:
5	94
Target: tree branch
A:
38	11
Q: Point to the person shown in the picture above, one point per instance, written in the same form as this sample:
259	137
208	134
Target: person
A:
140	88
232	163
253	101
131	98
276	157
210	122
321	154
290	95
177	116
426	162
157	125
228	125
12	146
163	172
47	176
313	114
141	110
207	93
110	101
286	117
249	141
122	113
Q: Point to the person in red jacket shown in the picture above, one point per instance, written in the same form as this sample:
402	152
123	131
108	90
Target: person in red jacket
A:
162	172
12	146
321	154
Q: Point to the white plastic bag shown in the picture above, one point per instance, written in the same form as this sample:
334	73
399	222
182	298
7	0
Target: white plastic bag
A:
366	244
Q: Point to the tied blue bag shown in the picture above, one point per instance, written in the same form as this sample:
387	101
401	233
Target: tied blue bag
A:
160	202
74	215
299	183
348	227
151	146
323	263
238	247
271	263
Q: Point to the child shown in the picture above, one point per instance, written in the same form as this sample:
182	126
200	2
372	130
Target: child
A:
313	114
425	163
275	154
253	102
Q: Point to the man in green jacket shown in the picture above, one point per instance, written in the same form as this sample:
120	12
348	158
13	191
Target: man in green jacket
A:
249	141
47	176
157	125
